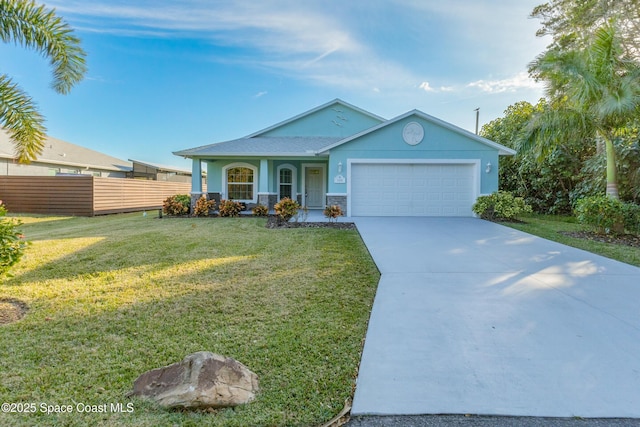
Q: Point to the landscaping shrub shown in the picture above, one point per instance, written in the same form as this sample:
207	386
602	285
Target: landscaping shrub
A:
631	213
177	205
260	210
204	206
286	209
12	243
333	212
607	215
500	205
230	208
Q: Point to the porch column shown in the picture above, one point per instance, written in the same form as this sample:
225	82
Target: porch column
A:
263	184
265	197
196	177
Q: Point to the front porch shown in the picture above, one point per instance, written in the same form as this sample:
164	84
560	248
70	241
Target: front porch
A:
266	181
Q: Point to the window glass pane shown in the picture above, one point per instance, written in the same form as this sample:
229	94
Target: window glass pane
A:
285	176
239	175
241	191
285	191
240	183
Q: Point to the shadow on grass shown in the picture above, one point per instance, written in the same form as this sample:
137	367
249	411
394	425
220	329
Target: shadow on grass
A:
299	327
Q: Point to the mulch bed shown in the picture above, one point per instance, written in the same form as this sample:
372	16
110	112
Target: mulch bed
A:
621	239
272	222
11	310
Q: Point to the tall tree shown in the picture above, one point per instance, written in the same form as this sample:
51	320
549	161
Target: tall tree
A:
594	91
32	26
572	22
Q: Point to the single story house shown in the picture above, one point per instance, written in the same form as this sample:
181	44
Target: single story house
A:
340	154
157	172
59	157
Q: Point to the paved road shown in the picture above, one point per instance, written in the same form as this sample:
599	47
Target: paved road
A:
472	317
476	421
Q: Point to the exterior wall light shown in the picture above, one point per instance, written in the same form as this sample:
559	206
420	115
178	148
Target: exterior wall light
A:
488	168
339	167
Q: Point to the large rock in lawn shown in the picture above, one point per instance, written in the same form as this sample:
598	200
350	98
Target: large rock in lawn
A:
201	380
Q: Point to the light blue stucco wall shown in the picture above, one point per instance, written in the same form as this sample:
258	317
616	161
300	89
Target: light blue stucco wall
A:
438	143
215	168
336	120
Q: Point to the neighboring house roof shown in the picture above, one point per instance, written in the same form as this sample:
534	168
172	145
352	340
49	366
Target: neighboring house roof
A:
162	168
336	101
502	150
263	146
58	152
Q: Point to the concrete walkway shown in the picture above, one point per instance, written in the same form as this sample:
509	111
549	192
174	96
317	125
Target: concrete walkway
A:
472	317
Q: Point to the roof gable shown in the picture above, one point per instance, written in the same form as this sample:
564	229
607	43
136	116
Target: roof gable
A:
335	119
502	150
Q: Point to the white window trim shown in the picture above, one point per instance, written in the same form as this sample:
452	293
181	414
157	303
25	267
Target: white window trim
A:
294	174
225	184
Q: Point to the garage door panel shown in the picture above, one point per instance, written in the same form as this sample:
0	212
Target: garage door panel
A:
412	189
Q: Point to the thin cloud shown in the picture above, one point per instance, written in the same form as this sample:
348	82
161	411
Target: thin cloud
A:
511	84
426	87
301	40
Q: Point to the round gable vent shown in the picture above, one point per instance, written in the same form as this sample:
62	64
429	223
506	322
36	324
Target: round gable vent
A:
413	133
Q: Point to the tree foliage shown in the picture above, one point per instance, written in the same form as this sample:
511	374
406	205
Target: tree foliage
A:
572	23
583	138
33	26
547	182
594	92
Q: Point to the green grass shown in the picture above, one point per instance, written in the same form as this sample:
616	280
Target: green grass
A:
549	227
112	297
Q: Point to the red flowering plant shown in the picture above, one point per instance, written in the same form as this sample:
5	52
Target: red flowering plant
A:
229	208
286	209
333	212
203	206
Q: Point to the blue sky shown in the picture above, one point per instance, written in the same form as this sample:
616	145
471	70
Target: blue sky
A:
167	75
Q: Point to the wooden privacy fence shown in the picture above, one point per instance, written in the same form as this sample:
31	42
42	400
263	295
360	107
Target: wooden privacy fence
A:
84	195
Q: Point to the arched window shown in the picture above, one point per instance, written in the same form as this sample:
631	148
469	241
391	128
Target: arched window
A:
287	182
240	182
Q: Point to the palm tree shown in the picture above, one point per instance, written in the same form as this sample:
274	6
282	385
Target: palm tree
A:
594	92
32	26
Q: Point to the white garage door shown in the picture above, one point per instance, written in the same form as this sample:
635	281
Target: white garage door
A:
412	189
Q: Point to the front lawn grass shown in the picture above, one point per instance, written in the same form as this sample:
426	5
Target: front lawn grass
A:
550	227
112	297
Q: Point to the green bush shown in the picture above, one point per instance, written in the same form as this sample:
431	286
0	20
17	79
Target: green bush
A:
631	213
12	243
333	212
260	210
230	208
500	205
203	206
607	215
177	205
286	209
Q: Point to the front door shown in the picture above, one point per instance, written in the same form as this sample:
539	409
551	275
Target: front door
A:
314	188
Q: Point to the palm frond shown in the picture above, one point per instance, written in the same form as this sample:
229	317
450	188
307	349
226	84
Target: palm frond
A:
21	119
555	125
24	22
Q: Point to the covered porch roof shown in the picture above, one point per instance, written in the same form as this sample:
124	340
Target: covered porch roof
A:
307	146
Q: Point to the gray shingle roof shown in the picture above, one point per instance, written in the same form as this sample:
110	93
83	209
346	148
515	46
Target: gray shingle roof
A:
57	151
263	146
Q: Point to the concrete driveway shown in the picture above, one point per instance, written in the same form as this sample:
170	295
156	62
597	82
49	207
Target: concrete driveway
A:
472	317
